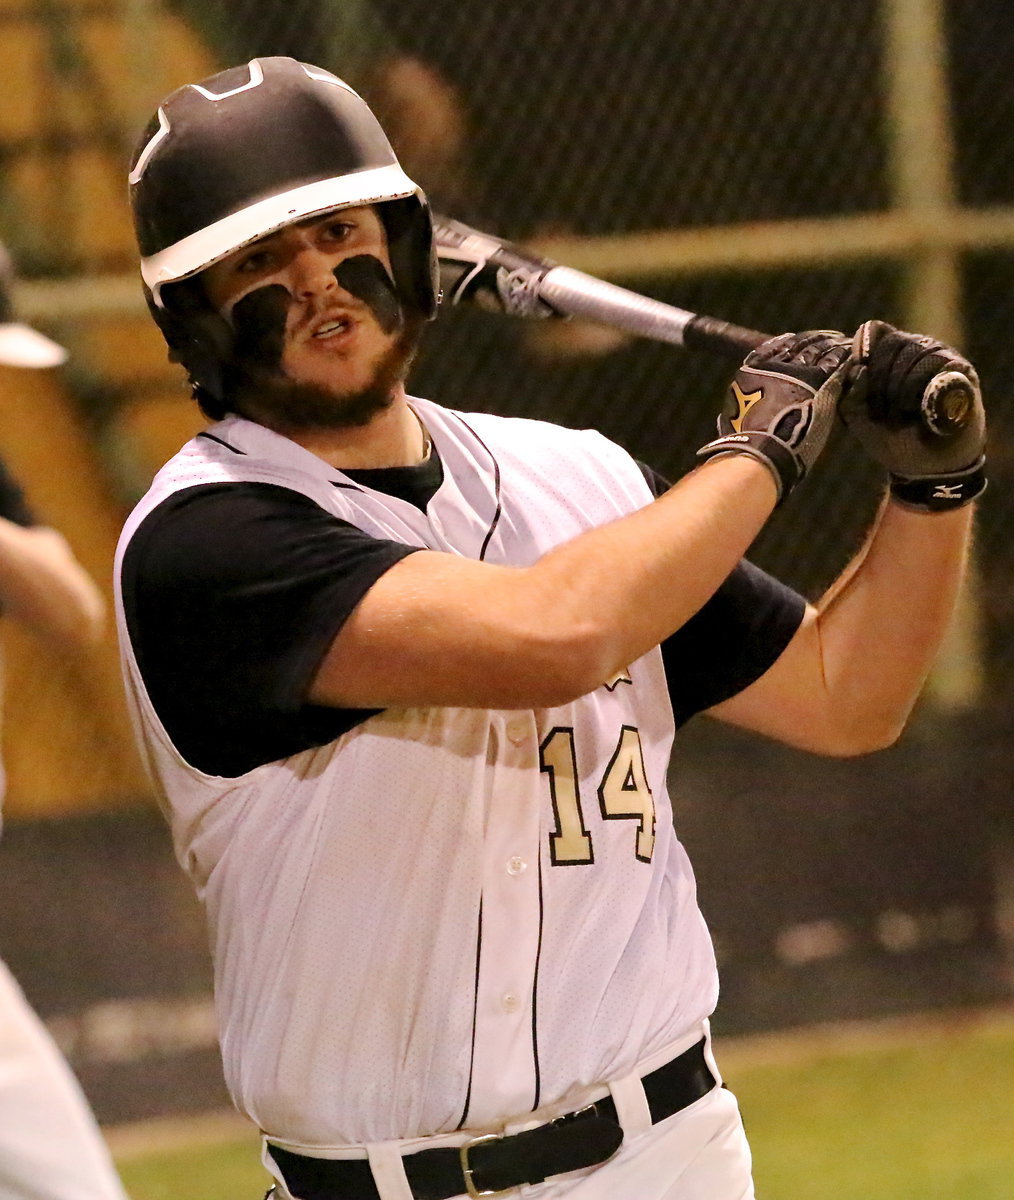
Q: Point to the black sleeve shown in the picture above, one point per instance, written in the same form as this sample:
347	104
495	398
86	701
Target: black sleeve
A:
658	483
731	641
13	505
232	595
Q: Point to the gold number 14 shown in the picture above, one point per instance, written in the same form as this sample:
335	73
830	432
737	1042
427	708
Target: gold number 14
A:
623	795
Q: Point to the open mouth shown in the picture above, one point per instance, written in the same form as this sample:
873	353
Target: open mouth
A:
333	328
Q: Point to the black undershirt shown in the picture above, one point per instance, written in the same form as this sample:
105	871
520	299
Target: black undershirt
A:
418	484
234	592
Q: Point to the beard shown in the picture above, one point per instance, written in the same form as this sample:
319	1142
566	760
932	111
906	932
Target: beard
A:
289	406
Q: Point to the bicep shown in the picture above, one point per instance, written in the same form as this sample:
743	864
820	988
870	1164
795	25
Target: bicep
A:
789	702
233	593
732	641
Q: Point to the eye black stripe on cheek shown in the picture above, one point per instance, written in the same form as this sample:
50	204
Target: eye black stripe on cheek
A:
366	278
259	321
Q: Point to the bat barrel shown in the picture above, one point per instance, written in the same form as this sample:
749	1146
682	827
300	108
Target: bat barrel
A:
575	294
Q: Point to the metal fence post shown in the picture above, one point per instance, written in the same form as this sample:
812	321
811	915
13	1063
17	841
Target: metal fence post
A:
920	155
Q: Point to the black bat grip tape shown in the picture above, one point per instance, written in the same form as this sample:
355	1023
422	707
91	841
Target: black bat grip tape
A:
721	337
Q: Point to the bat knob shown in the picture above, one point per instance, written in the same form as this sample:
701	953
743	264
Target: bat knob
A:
948	403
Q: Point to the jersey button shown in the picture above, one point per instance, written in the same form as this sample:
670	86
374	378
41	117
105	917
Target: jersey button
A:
516	865
517	731
510	1002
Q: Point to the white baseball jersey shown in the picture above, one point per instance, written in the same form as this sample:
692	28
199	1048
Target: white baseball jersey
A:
446	916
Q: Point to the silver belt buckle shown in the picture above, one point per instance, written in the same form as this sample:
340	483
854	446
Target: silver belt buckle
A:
466	1170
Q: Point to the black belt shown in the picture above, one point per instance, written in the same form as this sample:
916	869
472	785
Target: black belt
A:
491	1164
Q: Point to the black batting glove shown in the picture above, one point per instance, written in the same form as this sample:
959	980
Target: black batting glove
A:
905	394
782	403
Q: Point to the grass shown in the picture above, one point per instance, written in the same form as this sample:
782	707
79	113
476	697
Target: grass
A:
231	1171
912	1110
929	1116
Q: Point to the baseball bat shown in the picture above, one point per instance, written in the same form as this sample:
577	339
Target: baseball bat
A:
496	275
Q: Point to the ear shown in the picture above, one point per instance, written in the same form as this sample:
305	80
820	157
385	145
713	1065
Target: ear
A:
197	337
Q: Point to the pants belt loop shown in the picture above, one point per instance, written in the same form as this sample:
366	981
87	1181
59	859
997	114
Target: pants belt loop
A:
709	1054
389	1171
631	1105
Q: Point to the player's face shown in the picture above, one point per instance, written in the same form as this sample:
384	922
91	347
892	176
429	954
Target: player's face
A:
336	334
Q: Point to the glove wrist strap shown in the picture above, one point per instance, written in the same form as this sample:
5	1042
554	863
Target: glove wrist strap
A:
771	451
940	493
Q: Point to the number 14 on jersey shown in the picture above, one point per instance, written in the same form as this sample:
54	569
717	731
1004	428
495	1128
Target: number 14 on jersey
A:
623	795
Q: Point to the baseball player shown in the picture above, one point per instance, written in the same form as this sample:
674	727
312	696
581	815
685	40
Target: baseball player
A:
407	678
50	1145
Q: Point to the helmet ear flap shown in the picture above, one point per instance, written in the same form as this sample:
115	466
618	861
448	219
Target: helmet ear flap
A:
199	339
410	247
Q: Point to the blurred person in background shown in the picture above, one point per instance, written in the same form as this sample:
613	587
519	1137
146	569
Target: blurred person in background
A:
51	1147
414	100
407	679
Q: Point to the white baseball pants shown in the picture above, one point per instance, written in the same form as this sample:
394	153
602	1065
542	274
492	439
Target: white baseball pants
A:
700	1153
50	1144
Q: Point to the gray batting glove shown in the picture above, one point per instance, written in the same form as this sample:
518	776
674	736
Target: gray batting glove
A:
916	407
782	403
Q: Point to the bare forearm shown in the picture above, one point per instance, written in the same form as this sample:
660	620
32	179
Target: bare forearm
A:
637	580
881	626
43	586
439	629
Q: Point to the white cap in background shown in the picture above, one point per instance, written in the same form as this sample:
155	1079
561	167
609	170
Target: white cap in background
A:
20	344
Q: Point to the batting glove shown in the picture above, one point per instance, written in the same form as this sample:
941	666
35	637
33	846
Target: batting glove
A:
904	389
782	403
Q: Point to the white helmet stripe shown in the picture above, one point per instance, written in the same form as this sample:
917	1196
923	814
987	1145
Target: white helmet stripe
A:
145	156
256	77
206	246
326	77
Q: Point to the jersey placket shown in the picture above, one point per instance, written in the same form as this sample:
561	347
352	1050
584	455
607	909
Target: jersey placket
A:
504	1065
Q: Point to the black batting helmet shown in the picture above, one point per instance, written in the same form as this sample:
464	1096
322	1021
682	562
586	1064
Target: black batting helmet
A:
242	154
